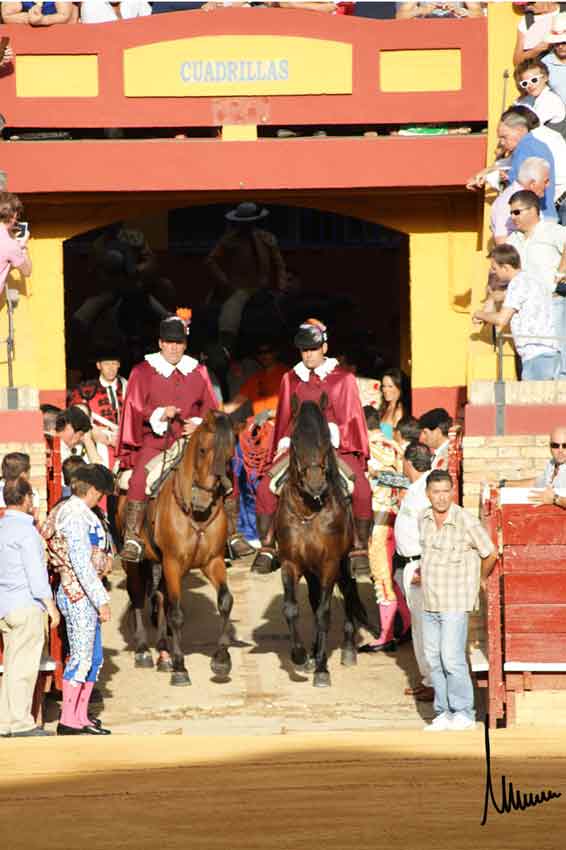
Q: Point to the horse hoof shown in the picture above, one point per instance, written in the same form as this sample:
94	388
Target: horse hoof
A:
310	665
164	665
299	657
321	680
221	664
143	659
180	679
349	657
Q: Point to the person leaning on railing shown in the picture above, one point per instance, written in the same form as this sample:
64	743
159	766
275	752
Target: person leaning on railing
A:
552	479
528	307
13	248
39	14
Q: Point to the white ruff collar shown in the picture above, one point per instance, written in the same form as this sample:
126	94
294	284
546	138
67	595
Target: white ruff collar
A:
158	362
325	368
104	383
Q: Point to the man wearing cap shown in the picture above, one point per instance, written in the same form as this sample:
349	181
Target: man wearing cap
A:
314	375
168	395
103	397
245	259
435	425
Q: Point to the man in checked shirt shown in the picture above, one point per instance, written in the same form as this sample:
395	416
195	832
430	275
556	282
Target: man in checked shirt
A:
453	545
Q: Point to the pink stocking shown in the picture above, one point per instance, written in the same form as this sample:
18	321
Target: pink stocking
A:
70	704
387	611
403	607
84	699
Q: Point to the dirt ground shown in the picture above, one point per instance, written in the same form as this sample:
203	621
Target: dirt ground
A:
265	694
394	789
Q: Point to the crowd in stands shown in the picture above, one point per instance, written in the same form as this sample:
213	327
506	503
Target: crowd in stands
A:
99	11
527	284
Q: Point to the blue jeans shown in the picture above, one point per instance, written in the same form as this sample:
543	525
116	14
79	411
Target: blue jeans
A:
559	308
445	635
545	367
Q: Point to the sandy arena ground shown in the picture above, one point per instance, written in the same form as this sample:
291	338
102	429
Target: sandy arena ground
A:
265	760
265	694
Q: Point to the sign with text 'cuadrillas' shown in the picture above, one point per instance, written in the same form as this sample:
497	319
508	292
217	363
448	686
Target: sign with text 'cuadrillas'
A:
212	66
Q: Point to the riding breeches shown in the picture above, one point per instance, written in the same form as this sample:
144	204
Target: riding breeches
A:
266	501
136	488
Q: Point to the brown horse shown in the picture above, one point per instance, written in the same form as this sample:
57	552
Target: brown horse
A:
314	531
185	529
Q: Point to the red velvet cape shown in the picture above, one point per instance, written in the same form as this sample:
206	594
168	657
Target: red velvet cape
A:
147	390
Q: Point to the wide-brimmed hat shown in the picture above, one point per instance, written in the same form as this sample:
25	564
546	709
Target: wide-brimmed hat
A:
557	31
311	334
246	212
172	329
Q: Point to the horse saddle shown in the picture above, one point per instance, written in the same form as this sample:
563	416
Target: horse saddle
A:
279	473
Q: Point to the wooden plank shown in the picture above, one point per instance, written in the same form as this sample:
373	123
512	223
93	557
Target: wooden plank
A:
529	619
539	681
535	526
543	648
533	590
534	559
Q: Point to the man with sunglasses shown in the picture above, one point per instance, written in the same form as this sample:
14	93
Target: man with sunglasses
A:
552	479
542	248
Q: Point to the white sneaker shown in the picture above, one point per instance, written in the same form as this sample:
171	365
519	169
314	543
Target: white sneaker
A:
461	722
440	724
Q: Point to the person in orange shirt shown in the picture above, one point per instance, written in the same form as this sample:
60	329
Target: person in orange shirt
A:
262	388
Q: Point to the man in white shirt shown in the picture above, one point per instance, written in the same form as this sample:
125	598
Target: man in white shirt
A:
541	246
416	466
552	480
435	425
528	307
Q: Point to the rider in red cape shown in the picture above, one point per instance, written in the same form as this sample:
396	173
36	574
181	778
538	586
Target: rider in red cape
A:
168	395
308	380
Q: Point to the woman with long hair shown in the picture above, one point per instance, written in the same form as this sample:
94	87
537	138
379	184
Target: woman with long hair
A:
396	401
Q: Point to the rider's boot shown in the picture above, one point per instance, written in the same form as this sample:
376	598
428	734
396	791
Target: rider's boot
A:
133	547
238	546
358	558
266	560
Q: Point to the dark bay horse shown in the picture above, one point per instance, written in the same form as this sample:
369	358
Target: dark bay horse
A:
185	529
314	530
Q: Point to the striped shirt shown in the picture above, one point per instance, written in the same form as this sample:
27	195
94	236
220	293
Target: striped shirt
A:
450	561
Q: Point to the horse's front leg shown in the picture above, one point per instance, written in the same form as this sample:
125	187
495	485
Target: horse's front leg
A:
321	678
159	619
175	619
290	579
136	584
221	663
349	590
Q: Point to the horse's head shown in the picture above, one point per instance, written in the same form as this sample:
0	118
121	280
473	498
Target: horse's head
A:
310	447
212	450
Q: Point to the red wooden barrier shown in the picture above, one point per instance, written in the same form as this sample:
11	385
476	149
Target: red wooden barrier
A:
526	619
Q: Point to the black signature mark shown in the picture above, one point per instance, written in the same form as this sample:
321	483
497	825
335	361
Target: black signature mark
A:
511	799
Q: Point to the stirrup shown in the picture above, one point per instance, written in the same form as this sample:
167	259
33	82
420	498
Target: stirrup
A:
266	561
358	562
238	547
135	553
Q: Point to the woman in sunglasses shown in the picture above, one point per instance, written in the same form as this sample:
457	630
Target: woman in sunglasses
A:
531	77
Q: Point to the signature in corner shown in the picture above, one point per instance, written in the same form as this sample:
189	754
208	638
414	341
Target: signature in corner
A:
511	798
